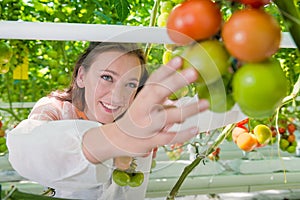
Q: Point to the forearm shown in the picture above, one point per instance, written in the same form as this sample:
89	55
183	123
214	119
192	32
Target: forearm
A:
108	141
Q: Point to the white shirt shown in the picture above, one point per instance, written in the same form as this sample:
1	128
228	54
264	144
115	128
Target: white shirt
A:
49	152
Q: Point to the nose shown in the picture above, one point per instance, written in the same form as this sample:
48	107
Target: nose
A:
118	94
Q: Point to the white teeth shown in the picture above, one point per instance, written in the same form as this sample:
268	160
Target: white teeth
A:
111	107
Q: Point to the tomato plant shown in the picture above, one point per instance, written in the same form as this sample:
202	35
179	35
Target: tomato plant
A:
259	88
194	20
251	35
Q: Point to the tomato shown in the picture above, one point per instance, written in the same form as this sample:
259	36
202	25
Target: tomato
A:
236	131
259	88
6	53
2	133
283	144
254	3
2	140
166	6
251	35
120	177
162	19
263	133
194	20
246	141
209	58
3	148
291	128
136	179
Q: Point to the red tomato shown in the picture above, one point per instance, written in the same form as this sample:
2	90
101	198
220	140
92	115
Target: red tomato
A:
254	3
251	35
194	20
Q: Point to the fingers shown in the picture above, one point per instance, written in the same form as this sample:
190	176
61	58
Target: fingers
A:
179	114
161	89
166	138
164	71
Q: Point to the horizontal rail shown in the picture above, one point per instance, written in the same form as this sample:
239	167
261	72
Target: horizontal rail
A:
17	105
94	32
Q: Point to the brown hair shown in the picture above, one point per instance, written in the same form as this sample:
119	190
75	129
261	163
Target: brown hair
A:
75	94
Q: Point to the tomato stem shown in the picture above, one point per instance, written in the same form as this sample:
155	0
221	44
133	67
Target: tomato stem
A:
189	168
291	15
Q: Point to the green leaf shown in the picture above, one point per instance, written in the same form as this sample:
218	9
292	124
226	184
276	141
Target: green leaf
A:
122	8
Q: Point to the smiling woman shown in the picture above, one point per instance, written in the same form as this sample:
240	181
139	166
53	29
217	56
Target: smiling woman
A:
122	116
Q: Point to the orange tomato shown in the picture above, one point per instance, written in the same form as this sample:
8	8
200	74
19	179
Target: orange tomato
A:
251	35
291	138
246	141
237	131
194	20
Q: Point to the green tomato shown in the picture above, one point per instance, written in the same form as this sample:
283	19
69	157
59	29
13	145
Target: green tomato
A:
167	56
166	6
263	133
2	140
4	68
291	149
3	148
6	53
136	179
120	177
283	144
209	58
162	19
259	88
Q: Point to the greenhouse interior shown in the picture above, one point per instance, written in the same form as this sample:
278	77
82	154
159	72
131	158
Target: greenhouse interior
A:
247	59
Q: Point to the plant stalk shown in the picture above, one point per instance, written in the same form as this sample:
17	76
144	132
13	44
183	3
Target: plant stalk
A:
188	169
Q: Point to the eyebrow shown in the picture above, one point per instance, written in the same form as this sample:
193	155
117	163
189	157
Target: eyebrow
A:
116	74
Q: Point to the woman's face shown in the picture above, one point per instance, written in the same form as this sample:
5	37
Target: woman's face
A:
110	85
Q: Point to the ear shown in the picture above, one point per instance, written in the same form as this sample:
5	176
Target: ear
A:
80	77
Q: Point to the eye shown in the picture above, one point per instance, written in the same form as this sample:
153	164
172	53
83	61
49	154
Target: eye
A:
107	78
132	85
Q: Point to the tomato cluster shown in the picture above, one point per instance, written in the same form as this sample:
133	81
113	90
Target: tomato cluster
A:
287	139
233	57
250	134
248	140
124	178
175	151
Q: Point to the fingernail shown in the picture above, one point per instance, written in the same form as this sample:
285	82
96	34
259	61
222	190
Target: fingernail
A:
176	61
194	131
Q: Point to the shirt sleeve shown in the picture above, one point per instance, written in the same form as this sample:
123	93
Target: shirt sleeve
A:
49	152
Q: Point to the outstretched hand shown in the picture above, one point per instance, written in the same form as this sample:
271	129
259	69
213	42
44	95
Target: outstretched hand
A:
147	118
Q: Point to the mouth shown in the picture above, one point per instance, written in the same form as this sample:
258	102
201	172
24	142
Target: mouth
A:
109	107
